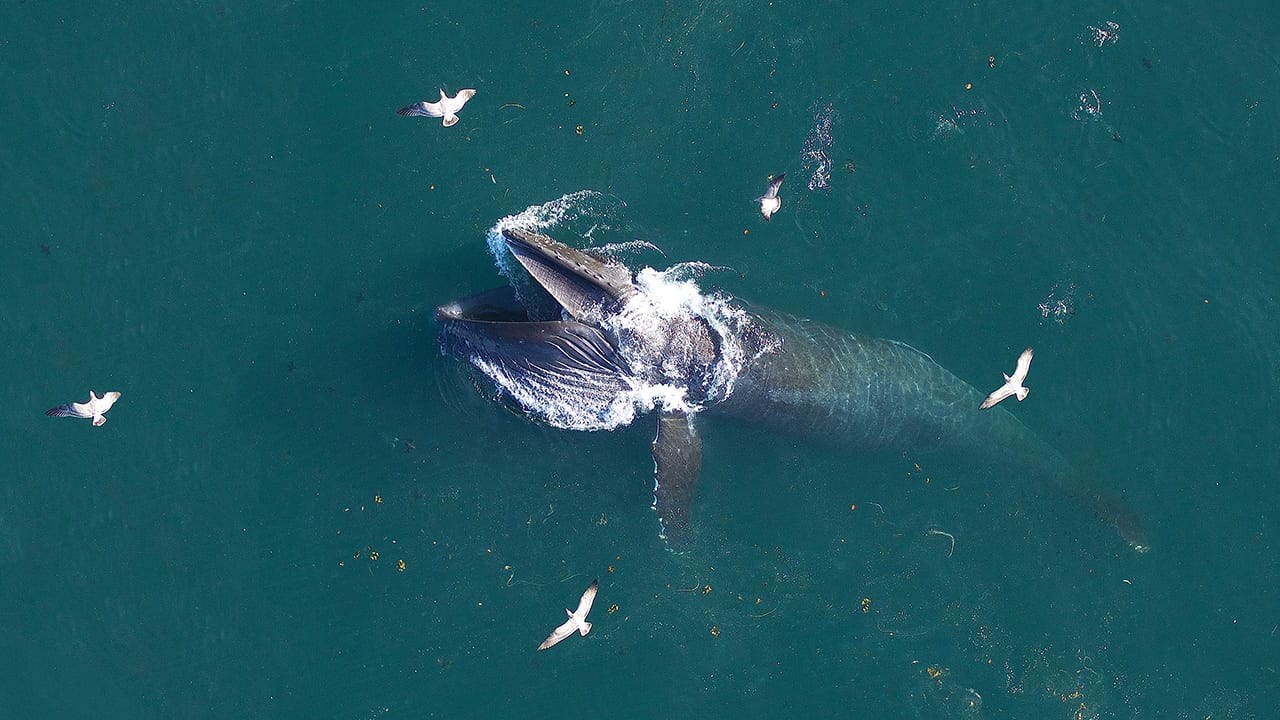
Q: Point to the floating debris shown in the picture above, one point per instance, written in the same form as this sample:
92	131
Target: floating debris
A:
946	535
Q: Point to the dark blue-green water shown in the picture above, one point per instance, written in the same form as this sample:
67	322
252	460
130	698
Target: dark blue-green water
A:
214	209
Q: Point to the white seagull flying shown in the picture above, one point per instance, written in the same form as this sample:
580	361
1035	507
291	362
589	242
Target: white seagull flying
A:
769	201
446	108
95	408
577	618
1012	384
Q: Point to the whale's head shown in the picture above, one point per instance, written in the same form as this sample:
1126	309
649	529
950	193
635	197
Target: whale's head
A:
608	355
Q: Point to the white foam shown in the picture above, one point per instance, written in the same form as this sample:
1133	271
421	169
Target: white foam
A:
666	299
557	404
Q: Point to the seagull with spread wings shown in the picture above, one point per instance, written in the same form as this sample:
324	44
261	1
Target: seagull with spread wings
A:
95	408
447	107
577	618
769	201
1012	383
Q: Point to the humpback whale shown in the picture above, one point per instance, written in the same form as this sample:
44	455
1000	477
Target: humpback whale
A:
611	349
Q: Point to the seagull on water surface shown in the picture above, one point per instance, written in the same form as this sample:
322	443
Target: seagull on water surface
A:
1012	384
769	201
95	408
577	618
446	108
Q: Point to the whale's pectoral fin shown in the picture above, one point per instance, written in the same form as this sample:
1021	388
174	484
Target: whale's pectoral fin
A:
677	459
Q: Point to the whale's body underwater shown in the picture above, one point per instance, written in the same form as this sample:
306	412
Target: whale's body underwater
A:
615	350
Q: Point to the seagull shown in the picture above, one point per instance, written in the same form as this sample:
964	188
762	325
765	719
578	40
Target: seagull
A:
769	201
92	409
577	618
446	108
1012	385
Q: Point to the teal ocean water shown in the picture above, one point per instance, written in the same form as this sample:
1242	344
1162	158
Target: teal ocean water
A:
214	209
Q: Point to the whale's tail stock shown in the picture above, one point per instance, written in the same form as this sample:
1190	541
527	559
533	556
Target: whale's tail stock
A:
1042	462
1109	508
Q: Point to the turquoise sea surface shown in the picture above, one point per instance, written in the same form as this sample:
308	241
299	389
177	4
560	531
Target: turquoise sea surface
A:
300	508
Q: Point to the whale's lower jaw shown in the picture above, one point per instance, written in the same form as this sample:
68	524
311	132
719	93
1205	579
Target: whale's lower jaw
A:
565	373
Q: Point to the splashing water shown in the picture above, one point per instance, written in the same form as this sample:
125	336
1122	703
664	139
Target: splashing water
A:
630	247
1059	304
946	127
669	299
1090	107
815	157
694	270
1090	110
960	117
1108	34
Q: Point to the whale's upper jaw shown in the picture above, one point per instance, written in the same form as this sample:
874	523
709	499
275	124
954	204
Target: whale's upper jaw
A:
586	286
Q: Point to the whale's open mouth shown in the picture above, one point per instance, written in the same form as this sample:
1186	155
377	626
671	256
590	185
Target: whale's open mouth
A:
497	305
567	372
622	345
492	327
614	344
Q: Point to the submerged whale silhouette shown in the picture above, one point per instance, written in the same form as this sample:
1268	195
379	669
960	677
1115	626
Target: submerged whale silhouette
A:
615	350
